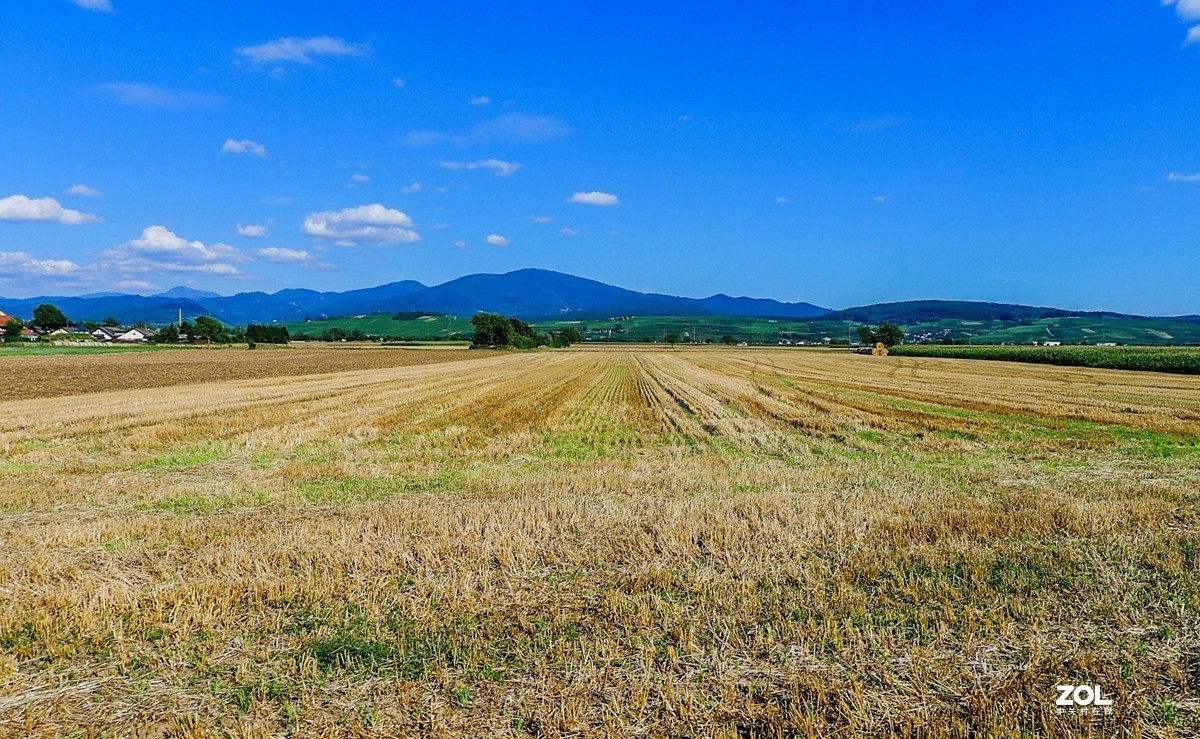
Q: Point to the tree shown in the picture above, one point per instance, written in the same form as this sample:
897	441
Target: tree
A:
168	335
571	335
491	330
12	329
729	339
49	316
889	334
671	339
866	335
110	322
210	328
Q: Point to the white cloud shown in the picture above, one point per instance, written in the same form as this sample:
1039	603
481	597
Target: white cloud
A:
564	231
159	241
20	209
410	189
151	97
480	100
1187	9
439	227
301	51
84	191
365	224
880	198
160	250
503	168
498	240
1181	177
279	254
783	200
398	82
541	219
245	146
21	263
460	244
513	128
252	230
104	5
135	285
360	178
594	198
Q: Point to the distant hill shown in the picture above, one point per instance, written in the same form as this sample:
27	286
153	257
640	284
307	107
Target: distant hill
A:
925	311
125	308
186	292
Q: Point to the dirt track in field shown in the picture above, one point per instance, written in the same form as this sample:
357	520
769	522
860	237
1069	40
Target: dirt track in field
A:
76	374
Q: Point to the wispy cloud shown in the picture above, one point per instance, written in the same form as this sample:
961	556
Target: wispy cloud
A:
880	199
594	198
301	50
398	82
152	97
252	230
358	178
22	209
410	189
480	100
502	168
564	231
281	255
541	219
245	146
84	191
783	200
103	5
374	224
24	264
512	128
498	240
1181	177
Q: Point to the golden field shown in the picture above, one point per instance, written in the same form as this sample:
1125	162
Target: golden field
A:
604	542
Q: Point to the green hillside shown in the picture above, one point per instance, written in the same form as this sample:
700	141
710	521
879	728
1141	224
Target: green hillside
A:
1090	329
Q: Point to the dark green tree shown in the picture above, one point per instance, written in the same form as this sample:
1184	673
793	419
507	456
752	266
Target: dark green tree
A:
49	316
866	334
890	334
571	335
729	339
210	328
168	335
110	322
12	329
671	339
491	330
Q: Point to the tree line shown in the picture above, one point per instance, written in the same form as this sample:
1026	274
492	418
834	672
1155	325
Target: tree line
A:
493	330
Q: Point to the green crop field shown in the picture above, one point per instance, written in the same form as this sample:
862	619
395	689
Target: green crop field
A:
1180	360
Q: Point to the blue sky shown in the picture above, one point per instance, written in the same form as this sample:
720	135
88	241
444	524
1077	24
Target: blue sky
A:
839	153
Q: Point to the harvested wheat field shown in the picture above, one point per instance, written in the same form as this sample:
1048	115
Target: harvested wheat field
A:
688	543
71	374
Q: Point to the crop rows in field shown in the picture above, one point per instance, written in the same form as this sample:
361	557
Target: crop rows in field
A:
1179	360
604	543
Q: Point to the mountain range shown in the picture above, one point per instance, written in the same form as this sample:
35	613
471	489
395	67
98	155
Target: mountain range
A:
526	293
